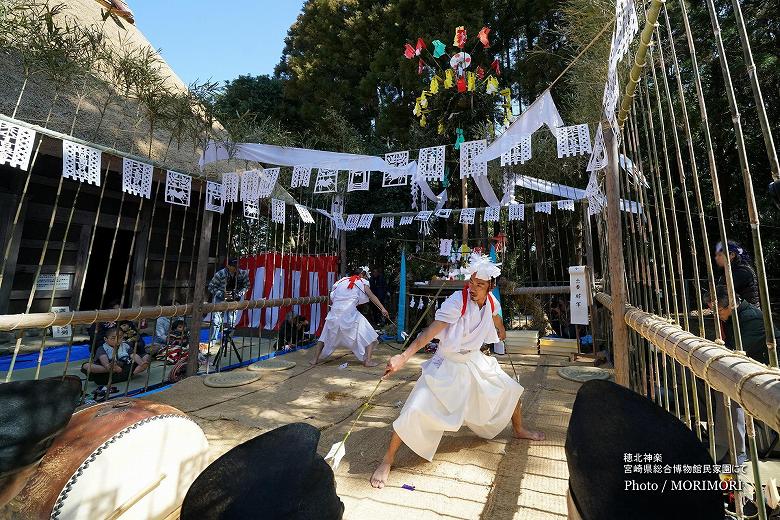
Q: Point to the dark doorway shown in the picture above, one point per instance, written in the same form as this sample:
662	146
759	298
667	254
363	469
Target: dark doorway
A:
99	272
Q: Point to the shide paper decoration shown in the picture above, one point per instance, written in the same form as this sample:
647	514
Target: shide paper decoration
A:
405	220
516	212
80	163
358	180
250	185
178	188
468	166
16	143
573	140
543	207
467	215
300	177
268	178
567	205
303	212
492	214
231	182
366	220
252	209
215	197
430	163
444	212
398	159
518	154
277	211
423	216
598	158
388	222
626	28
445	247
326	181
137	178
351	224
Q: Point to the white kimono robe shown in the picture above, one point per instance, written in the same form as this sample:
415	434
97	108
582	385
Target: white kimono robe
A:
459	385
345	326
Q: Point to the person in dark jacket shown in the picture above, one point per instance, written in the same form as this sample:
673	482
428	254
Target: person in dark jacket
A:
743	274
379	288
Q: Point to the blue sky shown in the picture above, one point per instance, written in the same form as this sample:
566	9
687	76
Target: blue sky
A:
217	40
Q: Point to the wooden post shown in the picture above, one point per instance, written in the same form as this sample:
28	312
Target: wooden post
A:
588	239
464	193
139	258
199	295
9	203
616	262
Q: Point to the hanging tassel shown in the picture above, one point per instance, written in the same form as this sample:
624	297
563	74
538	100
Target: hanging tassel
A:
420	304
412	303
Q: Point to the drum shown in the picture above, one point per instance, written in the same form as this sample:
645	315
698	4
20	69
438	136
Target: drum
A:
128	459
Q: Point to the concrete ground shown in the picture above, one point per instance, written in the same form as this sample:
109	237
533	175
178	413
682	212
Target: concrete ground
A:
498	479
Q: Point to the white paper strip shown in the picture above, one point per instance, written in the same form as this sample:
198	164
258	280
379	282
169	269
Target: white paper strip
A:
366	220
252	209
578	309
598	158
567	205
358	180
388	222
178	188
519	154
231	181
268	178
405	220
80	163
543	207
517	212
445	247
304	213
278	211
492	214
326	181
443	213
16	143
215	197
468	166
137	178
430	163
467	215
300	177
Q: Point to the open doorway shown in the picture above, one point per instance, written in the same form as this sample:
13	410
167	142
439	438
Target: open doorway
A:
100	273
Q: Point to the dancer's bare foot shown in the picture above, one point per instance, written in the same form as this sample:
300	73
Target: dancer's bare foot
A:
379	478
522	433
313	361
370	364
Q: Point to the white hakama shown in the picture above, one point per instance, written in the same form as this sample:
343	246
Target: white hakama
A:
345	326
459	385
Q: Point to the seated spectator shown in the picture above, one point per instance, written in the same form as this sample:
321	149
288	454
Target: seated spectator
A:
114	356
130	334
177	344
292	331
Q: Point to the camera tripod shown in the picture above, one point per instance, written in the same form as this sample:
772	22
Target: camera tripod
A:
227	341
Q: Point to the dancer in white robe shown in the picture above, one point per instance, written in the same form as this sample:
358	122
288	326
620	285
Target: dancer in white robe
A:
345	326
459	385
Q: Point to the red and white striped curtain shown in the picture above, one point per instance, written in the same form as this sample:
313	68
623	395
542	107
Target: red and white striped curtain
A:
273	275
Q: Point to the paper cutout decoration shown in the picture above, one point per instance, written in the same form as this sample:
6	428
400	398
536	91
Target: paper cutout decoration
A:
338	223
388	222
304	213
459	139
423	216
611	93
491	87
468	151
598	158
496	66
460	61
445	247
326	181
278	211
267	181
137	178
626	28
518	154
573	140
492	214
80	163
471	81
449	78
438	48
543	207
434	88
567	205
596	199
300	177
412	303
365	220
215	197
430	163
16	143
351	224
420	46
420	66
231	181
444	213
252	209
408	51
391	179
483	36
250	185
178	188
460	37
480	73
405	220
461	84
467	215
516	212
358	180
420	304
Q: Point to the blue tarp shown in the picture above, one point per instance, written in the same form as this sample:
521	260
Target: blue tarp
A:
402	299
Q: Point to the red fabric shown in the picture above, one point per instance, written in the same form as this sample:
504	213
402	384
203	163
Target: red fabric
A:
408	51
352	280
420	66
483	36
496	66
462	85
466	300
480	72
420	46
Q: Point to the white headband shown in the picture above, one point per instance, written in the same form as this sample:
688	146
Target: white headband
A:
483	267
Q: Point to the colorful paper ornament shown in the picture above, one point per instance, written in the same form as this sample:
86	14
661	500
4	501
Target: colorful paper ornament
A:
434	88
460	37
500	241
439	49
471	81
491	87
461	85
408	51
419	47
460	61
423	121
480	73
483	36
496	66
459	139
449	78
420	66
441	129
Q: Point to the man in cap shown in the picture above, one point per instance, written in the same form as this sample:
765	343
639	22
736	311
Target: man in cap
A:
228	284
459	385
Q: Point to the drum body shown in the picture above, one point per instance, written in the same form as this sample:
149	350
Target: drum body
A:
128	459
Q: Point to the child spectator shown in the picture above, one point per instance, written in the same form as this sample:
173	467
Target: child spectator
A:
114	356
178	342
291	332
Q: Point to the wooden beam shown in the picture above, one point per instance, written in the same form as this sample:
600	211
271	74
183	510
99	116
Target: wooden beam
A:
199	293
616	261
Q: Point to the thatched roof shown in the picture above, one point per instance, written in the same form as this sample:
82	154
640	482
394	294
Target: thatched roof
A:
120	127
